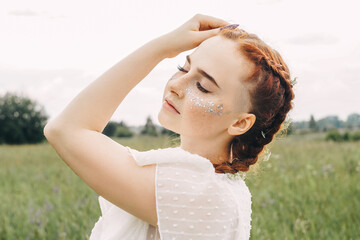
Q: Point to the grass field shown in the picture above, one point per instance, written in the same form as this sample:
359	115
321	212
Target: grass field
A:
309	189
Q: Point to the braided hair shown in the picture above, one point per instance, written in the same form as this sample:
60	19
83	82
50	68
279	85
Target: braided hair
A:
271	98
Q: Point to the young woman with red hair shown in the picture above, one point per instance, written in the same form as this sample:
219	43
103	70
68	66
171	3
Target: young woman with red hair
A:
227	102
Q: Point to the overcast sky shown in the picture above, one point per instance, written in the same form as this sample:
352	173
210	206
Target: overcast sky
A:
51	50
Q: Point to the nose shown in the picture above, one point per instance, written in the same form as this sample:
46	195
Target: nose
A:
178	84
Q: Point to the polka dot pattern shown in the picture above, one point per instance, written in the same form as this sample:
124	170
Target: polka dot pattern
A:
192	202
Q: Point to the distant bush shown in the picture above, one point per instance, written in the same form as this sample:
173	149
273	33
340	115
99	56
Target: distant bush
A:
123	131
110	129
346	136
165	131
149	128
336	136
115	129
355	136
22	120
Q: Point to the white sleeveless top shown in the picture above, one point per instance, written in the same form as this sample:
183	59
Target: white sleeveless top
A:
192	202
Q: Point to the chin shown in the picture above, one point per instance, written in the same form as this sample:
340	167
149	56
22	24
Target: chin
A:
167	122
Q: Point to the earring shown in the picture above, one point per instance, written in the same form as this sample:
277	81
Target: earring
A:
231	154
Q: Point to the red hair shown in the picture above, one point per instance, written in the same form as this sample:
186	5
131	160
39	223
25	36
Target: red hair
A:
271	96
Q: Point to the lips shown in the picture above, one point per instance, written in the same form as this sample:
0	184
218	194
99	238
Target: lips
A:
171	104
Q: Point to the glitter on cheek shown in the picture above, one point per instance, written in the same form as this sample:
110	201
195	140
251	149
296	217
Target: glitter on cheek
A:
209	107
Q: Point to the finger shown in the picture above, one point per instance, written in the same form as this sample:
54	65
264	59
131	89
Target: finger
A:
232	26
209	22
203	35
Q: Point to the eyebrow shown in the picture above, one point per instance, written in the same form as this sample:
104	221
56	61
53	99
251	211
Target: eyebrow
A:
202	72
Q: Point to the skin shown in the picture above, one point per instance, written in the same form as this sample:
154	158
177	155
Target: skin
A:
107	166
202	132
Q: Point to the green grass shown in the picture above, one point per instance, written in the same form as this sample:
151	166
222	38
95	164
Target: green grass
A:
309	189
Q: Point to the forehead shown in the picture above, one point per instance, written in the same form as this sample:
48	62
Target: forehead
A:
222	59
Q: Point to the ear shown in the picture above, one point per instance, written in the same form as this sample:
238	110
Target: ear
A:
242	125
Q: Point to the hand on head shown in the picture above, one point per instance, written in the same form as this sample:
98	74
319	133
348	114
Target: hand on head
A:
192	33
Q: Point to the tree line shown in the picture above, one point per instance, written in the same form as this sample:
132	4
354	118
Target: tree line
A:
22	121
120	129
336	130
352	122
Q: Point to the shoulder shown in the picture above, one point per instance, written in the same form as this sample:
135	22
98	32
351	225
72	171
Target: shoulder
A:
239	190
243	199
172	156
193	202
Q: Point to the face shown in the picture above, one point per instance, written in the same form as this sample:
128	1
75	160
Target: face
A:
207	108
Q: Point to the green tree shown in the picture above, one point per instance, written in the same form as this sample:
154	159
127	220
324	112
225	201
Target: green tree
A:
312	124
355	136
149	128
22	120
110	129
346	136
165	131
353	121
334	135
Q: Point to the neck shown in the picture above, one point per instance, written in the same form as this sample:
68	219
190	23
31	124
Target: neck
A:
216	150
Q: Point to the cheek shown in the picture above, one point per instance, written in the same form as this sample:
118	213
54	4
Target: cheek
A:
202	112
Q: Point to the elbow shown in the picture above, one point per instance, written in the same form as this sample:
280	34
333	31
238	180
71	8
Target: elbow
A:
50	130
46	131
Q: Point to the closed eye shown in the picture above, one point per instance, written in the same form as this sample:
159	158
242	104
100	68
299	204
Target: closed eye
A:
201	88
181	69
198	85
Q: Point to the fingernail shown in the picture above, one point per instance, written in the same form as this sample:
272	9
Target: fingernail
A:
232	26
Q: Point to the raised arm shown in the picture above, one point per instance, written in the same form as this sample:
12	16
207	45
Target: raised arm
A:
93	107
76	133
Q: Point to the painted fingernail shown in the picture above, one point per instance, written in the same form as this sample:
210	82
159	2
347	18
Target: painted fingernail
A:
232	26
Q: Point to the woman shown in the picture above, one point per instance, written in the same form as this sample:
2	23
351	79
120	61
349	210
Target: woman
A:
226	102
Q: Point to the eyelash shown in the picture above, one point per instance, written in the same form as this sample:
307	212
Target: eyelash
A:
197	83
